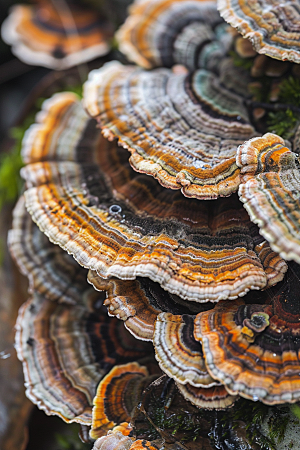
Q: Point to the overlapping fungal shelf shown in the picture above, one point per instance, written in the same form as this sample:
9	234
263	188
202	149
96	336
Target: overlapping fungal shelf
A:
50	35
122	224
269	189
191	242
253	349
163	33
182	129
63	338
272	26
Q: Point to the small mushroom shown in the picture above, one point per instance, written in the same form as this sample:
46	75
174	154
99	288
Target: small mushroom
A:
122	224
114	440
51	35
182	129
163	33
270	191
271	25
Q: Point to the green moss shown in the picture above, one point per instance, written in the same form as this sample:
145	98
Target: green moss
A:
290	91
114	44
179	422
283	123
189	424
296	410
252	414
77	89
265	426
283	116
165	416
286	121
11	163
69	440
277	423
238	61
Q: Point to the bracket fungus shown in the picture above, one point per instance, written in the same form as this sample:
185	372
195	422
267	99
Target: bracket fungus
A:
50	35
101	219
114	440
162	33
270	191
65	347
253	349
138	302
178	353
118	394
66	350
123	224
271	25
214	397
51	272
182	129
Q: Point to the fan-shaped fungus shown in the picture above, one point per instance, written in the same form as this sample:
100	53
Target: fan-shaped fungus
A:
117	395
270	191
163	33
50	35
253	349
120	223
271	25
183	129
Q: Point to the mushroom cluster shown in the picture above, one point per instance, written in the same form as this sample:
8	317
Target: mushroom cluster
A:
157	201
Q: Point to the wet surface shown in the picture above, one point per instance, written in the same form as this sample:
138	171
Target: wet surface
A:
14	406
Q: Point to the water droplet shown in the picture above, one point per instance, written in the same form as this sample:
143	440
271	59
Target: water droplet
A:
115	209
98	303
238	118
255	398
4	355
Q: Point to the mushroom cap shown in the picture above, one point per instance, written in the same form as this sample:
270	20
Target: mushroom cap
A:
51	272
113	441
253	349
161	33
124	224
67	349
117	395
56	38
214	397
182	129
138	302
179	355
270	191
271	25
